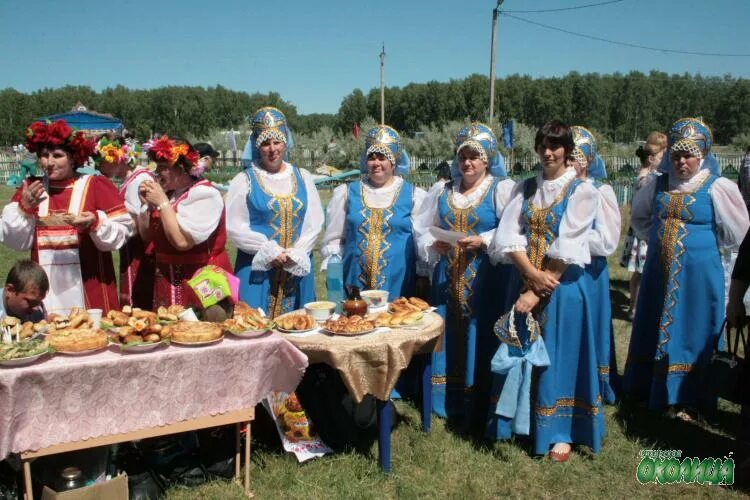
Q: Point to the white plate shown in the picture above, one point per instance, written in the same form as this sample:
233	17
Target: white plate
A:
82	353
22	361
196	344
295	331
140	347
329	332
249	334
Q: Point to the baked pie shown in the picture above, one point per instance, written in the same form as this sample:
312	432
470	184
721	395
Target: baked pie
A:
192	332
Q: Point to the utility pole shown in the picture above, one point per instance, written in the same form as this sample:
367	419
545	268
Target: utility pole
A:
492	60
382	85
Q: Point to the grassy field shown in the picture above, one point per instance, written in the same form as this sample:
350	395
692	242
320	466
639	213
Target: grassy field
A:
442	464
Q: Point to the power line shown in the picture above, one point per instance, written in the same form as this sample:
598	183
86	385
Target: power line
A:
623	44
563	8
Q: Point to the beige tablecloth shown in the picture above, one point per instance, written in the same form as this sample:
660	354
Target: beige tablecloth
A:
66	398
372	363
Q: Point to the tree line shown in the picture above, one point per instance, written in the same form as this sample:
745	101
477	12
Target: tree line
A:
621	107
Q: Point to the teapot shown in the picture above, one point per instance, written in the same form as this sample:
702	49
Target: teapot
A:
353	305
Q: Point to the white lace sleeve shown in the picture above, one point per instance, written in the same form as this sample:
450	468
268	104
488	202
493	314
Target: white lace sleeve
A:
238	217
503	193
199	213
510	235
731	213
426	217
112	231
605	236
641	216
17	227
333	238
572	243
299	255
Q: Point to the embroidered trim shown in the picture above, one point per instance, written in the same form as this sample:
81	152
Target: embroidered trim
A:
570	404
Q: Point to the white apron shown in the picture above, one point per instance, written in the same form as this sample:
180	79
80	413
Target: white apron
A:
58	252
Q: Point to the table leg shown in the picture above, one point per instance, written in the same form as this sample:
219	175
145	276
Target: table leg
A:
426	391
247	461
384	435
29	493
237	450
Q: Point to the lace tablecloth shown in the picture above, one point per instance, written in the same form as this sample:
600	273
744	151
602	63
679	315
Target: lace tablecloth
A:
372	363
67	398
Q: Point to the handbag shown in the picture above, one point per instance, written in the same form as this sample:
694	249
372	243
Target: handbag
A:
725	368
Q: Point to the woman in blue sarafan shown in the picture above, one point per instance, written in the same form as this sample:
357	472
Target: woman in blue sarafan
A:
603	239
274	217
467	285
689	215
545	230
370	222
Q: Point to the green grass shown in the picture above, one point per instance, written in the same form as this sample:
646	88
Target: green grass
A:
442	464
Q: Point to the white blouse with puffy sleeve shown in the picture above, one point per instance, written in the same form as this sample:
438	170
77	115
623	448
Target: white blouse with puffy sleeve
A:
572	243
256	243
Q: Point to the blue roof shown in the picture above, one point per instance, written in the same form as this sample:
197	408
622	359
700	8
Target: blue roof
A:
86	120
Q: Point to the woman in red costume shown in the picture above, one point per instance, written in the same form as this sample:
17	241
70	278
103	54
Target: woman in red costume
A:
71	222
184	217
118	157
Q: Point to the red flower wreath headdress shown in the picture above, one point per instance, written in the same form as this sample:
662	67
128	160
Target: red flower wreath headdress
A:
165	148
59	135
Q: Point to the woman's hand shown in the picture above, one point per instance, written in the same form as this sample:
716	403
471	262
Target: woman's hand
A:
472	243
541	283
441	247
526	302
81	222
152	193
280	261
32	195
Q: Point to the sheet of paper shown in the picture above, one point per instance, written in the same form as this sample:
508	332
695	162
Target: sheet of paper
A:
451	237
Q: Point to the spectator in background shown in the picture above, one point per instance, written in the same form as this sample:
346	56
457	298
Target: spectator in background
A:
744	178
634	252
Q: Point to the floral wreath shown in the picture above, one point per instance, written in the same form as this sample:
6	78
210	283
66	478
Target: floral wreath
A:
111	151
165	148
59	135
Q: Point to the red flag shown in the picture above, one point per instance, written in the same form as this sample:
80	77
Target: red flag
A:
355	131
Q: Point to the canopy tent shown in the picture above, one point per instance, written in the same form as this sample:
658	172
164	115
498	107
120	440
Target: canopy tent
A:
90	122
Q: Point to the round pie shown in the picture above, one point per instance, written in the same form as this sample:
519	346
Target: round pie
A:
194	332
77	340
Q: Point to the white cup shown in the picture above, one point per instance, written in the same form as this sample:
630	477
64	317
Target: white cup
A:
95	315
188	315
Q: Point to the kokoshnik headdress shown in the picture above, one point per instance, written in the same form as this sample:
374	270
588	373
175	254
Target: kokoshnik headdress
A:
693	136
480	138
585	152
386	141
267	123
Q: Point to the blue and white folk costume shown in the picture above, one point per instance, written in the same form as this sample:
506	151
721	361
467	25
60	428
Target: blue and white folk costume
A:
680	308
270	213
604	237
469	288
552	219
372	228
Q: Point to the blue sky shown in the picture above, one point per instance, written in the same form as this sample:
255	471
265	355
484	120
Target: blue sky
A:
315	53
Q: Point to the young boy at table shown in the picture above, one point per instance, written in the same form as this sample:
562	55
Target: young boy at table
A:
24	290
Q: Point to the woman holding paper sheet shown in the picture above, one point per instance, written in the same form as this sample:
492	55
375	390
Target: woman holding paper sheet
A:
466	281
